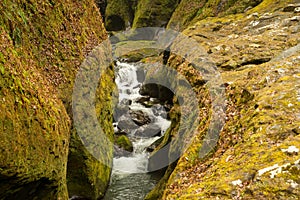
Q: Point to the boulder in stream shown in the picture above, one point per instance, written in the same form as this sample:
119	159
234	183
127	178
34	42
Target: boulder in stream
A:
126	124
123	146
139	117
149	130
119	111
140	74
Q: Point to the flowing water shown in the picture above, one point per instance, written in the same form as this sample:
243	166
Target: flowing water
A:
130	179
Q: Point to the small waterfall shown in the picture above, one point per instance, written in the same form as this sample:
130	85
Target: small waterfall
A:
129	176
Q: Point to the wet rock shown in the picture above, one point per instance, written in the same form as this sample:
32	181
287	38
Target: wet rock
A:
291	7
143	99
140	75
153	146
158	159
123	146
119	111
119	152
150	89
126	123
139	117
168	107
157	91
165	94
128	91
120	132
159	110
148	102
150	130
126	102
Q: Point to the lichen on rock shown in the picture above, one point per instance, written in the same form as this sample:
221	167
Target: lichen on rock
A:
256	53
119	15
42	47
34	129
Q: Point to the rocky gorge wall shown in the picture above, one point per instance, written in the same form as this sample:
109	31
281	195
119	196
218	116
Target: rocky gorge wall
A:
42	46
255	51
255	47
257	154
174	14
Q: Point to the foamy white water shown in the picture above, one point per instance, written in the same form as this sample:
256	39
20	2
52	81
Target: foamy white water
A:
129	175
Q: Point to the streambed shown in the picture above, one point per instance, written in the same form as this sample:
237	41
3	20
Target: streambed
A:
130	179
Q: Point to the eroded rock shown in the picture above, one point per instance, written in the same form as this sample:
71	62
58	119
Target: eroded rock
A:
139	117
150	130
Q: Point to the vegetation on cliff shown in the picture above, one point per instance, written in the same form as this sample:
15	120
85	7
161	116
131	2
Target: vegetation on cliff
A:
253	44
42	47
257	155
34	129
153	13
189	12
118	15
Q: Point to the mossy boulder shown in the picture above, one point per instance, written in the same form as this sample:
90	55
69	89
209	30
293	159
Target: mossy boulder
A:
91	144
42	47
173	14
135	50
124	143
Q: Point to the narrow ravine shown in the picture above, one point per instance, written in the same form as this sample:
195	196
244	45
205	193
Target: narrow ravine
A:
130	178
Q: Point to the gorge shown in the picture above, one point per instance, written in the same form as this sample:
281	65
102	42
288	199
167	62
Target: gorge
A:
219	97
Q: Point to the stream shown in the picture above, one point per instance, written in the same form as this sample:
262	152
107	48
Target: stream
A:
130	179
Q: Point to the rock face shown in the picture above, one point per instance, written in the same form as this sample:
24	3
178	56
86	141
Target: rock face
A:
153	13
189	12
42	46
257	155
139	117
34	131
118	15
173	14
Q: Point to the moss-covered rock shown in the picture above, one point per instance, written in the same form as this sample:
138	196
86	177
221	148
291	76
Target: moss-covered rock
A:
184	13
153	13
34	129
135	50
118	15
123	142
92	152
256	137
189	12
87	177
42	46
252	158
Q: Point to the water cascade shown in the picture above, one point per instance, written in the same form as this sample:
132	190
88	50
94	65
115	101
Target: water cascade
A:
130	179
